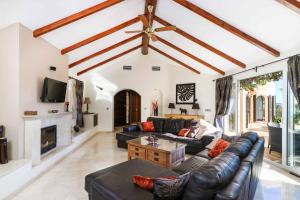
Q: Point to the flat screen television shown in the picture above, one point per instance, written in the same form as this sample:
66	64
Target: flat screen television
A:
53	91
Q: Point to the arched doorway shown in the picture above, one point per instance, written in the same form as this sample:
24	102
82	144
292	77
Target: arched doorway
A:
127	107
260	108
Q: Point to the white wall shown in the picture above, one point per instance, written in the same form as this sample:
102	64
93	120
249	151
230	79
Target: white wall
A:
25	62
112	78
205	91
9	85
143	80
36	56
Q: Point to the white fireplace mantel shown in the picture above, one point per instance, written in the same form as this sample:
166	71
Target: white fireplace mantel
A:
33	126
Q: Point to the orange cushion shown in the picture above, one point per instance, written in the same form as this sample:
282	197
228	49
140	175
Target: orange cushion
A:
184	132
148	126
143	182
219	147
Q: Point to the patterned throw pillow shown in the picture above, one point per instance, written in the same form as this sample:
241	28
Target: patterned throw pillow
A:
170	189
148	126
193	131
220	146
144	182
184	132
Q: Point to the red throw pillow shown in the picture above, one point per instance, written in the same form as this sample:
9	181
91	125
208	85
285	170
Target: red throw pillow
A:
146	182
184	132
219	147
148	126
143	182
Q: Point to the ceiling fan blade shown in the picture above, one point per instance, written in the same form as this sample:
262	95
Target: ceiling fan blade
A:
166	28
153	38
134	31
144	19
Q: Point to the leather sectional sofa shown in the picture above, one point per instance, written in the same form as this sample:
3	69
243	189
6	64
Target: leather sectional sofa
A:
232	175
167	128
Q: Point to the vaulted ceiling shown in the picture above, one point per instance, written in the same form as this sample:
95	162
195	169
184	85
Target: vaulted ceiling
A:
212	37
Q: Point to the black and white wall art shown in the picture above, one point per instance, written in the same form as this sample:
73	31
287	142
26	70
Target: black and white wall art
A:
185	93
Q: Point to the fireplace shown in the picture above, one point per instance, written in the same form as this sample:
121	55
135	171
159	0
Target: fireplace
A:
48	138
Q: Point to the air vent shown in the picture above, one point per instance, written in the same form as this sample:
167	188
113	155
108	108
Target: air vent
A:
127	67
155	68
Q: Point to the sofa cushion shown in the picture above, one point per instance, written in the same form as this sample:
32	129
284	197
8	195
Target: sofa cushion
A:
140	126
170	189
191	164
252	136
241	147
238	186
188	123
131	128
173	125
212	175
229	138
158	123
204	154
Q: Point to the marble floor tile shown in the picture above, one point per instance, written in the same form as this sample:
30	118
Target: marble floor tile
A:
65	181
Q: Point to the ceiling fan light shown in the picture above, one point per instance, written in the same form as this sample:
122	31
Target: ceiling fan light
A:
150	8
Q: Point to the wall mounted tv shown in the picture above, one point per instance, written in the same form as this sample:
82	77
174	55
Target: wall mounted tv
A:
53	91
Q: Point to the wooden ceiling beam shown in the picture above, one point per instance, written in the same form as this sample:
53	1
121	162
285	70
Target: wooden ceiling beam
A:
174	59
72	18
228	27
105	50
291	4
100	35
190	56
108	60
146	39
201	43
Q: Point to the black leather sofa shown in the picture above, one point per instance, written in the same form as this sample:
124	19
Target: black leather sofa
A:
233	175
167	128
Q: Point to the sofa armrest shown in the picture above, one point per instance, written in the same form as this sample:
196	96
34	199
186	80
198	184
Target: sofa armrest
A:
131	128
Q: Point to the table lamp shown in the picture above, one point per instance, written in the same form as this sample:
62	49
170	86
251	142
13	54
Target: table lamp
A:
87	101
171	106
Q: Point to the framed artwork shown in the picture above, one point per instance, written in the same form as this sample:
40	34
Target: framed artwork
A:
185	93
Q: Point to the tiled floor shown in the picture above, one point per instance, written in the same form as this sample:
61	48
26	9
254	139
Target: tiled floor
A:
65	181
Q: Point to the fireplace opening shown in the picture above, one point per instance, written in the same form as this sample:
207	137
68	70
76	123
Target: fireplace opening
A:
48	138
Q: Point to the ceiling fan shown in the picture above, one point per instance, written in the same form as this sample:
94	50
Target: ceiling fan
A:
149	29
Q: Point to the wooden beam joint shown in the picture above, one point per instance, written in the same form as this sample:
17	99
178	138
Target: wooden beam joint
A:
146	39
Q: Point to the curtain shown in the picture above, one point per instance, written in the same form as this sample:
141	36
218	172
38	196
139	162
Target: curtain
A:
71	97
79	100
294	75
223	98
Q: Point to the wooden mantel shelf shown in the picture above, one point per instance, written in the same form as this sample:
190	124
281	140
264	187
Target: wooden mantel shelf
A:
179	116
47	115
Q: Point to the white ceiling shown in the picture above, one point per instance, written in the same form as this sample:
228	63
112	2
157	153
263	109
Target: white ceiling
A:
266	20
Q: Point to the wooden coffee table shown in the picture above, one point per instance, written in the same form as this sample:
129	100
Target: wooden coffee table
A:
165	153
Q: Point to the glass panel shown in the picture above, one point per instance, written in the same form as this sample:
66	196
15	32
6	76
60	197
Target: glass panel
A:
293	137
230	119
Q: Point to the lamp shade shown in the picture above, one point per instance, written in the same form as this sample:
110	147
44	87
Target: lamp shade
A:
196	106
171	105
87	100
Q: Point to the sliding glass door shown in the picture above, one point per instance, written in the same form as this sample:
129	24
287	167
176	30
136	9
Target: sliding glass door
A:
293	133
